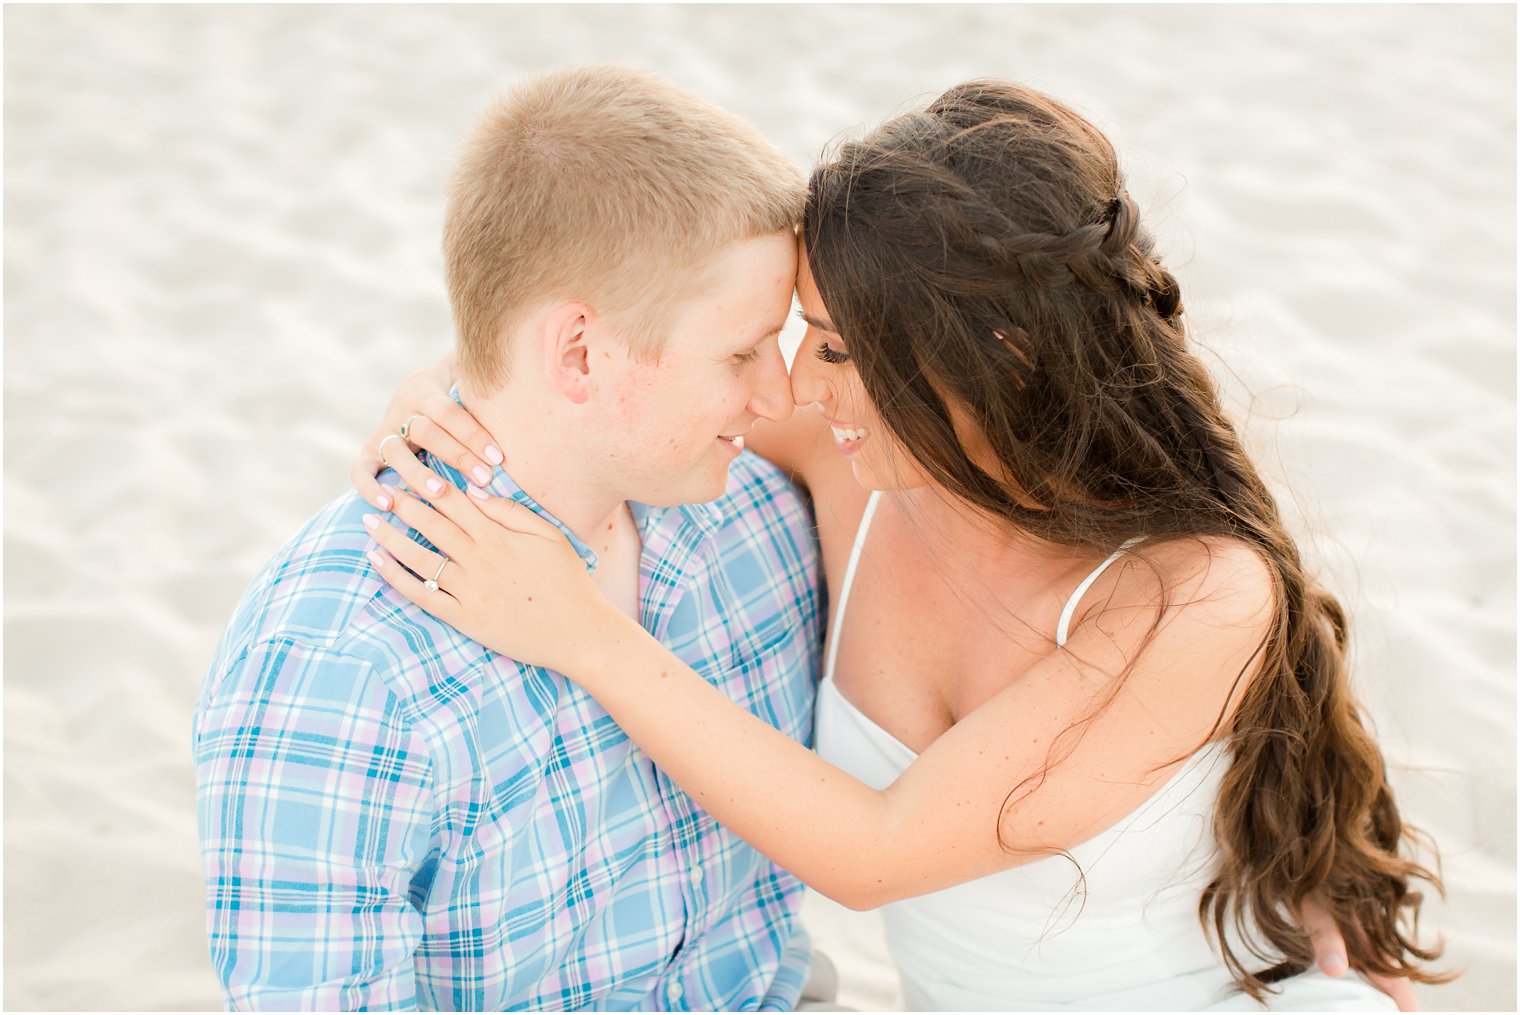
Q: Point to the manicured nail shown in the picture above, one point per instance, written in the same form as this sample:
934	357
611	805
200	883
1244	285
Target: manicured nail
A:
494	455
374	558
372	522
435	486
477	492
482	474
383	502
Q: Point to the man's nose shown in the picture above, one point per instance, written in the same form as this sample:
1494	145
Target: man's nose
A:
772	399
807	386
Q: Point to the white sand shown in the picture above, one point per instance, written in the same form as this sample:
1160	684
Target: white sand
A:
222	250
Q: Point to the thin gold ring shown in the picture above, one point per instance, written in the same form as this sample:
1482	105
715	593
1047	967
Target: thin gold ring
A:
381	449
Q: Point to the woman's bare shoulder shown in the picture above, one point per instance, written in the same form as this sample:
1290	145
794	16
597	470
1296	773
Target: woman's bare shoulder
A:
1184	619
1210	595
1221	577
797	446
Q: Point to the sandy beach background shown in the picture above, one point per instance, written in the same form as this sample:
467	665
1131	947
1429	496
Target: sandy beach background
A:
222	251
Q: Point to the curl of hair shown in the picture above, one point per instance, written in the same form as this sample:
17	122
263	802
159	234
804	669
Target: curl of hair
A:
984	252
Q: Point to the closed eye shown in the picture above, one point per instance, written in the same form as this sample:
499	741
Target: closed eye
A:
830	355
747	357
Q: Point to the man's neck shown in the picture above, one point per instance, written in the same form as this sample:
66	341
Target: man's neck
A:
547	468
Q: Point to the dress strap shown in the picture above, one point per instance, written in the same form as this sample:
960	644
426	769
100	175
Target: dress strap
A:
1076	597
849	580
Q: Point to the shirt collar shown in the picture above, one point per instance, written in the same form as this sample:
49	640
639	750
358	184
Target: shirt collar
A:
705	518
503	485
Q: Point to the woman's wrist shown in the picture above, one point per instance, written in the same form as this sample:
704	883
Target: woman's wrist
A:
607	636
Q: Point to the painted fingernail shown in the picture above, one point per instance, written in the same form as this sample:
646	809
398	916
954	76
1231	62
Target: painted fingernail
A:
374	558
383	502
482	474
435	485
372	522
477	492
494	455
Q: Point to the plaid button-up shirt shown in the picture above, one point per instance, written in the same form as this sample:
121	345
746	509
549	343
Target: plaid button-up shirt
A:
393	816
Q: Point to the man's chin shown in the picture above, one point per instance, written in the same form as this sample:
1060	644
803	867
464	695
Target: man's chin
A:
696	489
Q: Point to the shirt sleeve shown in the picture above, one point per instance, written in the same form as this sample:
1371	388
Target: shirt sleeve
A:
316	823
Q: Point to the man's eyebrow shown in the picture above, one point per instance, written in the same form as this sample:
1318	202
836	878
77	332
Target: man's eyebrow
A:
767	332
816	323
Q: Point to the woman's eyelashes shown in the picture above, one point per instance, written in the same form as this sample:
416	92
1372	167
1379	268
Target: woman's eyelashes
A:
831	356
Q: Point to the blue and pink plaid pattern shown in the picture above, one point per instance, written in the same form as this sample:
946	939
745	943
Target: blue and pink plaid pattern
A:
393	816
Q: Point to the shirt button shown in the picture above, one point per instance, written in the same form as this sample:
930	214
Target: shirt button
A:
673	992
696	877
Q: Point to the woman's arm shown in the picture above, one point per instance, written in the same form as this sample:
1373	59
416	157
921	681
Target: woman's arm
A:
839	835
514	584
938	825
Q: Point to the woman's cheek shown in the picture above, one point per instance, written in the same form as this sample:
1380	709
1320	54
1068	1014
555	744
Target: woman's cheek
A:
890	466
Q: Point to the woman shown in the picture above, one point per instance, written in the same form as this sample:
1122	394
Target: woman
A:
1085	729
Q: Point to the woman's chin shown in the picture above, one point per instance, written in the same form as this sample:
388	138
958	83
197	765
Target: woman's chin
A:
873	476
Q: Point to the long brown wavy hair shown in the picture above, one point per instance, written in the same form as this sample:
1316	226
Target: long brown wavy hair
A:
984	252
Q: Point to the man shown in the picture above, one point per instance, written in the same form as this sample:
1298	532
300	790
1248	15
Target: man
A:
391	815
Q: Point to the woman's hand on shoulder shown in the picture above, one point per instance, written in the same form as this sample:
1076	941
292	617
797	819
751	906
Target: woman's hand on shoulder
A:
432	421
505	577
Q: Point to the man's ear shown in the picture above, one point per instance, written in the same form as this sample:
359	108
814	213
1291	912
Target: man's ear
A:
567	356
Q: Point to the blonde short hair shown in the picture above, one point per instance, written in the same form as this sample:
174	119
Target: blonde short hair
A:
607	185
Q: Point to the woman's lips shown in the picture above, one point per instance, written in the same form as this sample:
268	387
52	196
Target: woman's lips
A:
847	439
